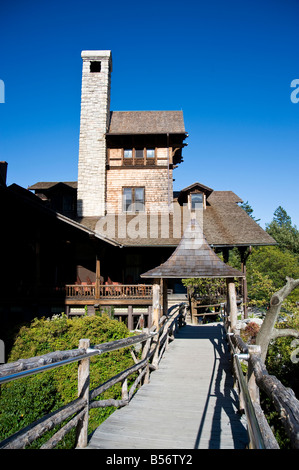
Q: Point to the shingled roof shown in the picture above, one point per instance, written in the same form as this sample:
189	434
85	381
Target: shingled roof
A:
51	184
146	122
193	258
225	224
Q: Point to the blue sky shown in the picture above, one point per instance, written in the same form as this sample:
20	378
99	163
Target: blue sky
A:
227	64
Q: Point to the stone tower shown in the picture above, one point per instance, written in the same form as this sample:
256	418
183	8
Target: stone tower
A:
94	121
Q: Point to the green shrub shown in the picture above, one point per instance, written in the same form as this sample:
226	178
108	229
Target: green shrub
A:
26	400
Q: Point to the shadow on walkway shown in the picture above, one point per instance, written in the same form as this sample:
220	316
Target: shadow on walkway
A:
226	397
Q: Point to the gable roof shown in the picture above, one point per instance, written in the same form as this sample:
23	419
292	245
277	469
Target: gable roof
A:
146	122
193	187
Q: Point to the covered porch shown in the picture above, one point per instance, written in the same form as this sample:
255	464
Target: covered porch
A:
193	258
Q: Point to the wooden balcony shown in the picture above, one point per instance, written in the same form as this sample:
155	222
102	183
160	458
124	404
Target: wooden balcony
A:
120	294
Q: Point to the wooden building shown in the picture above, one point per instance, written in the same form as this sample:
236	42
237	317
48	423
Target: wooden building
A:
97	235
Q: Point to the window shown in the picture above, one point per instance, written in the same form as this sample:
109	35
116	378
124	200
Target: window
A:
150	153
139	199
128	153
133	200
196	201
67	203
139	153
127	200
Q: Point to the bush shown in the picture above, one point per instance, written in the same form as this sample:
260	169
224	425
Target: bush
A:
249	333
26	400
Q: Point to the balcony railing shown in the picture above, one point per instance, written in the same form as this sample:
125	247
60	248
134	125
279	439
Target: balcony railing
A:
115	291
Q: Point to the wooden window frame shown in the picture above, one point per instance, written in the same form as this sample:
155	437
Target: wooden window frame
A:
138	159
203	199
133	211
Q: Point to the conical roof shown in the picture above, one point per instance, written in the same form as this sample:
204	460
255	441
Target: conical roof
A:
193	257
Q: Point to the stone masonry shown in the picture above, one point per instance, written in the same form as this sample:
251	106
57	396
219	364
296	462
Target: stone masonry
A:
94	121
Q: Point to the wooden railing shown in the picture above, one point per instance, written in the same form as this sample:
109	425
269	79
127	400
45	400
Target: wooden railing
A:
257	378
78	290
153	341
115	291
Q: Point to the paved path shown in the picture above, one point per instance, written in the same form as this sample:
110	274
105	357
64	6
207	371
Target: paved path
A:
188	404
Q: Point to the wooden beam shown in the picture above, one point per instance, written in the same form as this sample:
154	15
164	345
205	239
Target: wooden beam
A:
83	392
98	278
232	303
156	305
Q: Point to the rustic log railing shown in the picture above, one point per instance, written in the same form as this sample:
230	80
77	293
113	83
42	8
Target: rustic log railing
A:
115	291
154	341
257	378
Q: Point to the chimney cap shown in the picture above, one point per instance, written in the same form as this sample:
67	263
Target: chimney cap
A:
95	54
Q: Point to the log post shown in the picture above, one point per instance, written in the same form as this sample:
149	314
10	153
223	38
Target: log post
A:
251	382
98	278
194	311
232	303
244	253
124	390
164	297
156	305
83	392
130	318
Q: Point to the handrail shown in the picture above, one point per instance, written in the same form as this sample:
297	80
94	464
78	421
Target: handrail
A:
254	431
92	351
151	350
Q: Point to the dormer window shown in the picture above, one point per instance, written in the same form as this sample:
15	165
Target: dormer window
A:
194	196
196	201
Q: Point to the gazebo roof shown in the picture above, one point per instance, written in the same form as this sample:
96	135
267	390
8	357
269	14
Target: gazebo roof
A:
193	258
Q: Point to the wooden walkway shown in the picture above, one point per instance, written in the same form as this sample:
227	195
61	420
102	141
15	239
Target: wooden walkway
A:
188	404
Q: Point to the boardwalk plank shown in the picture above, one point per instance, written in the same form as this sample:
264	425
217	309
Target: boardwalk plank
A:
189	402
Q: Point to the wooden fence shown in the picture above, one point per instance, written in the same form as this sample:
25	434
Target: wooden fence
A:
154	341
249	386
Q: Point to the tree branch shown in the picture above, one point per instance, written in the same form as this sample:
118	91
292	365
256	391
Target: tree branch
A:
267	329
279	333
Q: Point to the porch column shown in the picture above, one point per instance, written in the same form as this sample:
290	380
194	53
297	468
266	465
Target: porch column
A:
98	278
130	318
164	302
156	304
231	303
244	255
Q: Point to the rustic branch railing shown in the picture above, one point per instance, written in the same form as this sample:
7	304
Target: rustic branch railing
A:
154	342
283	398
115	291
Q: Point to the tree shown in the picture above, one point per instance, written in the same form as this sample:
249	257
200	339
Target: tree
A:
268	331
282	218
247	208
274	263
283	232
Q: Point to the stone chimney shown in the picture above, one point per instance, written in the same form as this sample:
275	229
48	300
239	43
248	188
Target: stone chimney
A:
94	122
3	173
